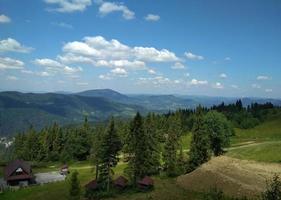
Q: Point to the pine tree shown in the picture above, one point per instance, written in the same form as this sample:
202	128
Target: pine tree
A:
137	150
200	145
153	148
74	189
108	153
172	145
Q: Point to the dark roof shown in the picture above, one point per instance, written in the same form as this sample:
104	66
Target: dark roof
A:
14	165
92	185
121	181
146	181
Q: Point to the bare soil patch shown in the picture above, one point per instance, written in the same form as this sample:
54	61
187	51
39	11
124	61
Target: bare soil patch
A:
235	177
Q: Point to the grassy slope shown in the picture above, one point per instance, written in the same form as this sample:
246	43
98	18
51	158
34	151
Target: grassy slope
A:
165	189
267	142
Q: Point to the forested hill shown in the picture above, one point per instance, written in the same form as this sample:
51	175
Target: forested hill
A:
20	110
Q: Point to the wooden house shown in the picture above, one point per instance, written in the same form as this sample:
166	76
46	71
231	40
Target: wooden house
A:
145	183
121	182
18	172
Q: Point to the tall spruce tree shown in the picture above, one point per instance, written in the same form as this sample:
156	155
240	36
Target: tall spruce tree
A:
108	152
200	145
172	145
153	145
137	150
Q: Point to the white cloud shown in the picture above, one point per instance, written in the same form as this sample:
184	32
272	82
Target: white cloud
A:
223	75
234	86
256	86
12	78
109	7
268	90
119	72
151	71
178	65
227	58
10	63
152	17
218	85
151	54
52	66
11	44
99	52
68	6
27	71
62	25
262	77
4	19
198	82
192	56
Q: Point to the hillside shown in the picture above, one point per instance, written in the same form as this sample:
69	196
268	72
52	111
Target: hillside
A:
41	110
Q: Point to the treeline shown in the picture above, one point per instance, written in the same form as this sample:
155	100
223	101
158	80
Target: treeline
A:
246	117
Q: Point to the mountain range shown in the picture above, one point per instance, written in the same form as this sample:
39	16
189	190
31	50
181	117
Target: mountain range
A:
18	111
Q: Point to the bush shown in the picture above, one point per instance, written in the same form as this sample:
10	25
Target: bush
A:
273	191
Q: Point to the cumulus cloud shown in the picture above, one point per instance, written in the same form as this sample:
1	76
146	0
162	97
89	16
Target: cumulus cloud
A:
10	63
119	72
178	65
218	85
12	45
109	7
105	77
198	82
227	58
4	19
156	81
192	56
223	75
151	71
53	66
152	17
99	52
262	77
68	6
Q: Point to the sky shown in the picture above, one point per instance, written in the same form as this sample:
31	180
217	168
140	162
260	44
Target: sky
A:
189	47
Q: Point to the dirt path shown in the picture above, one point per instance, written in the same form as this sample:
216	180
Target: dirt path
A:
235	177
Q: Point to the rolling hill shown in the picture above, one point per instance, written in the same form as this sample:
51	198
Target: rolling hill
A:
42	109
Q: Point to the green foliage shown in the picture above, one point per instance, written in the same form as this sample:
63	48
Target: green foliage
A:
108	150
214	194
200	143
172	145
219	131
74	187
273	191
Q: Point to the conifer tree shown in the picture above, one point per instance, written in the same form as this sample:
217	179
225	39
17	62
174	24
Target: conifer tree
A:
108	153
200	145
137	150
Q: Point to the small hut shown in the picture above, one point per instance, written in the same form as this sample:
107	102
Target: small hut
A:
145	183
18	172
92	185
121	182
64	170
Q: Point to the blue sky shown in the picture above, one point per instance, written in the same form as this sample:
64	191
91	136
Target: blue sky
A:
216	48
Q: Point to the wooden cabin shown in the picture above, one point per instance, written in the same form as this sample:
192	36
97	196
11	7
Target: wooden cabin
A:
121	182
145	183
18	172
